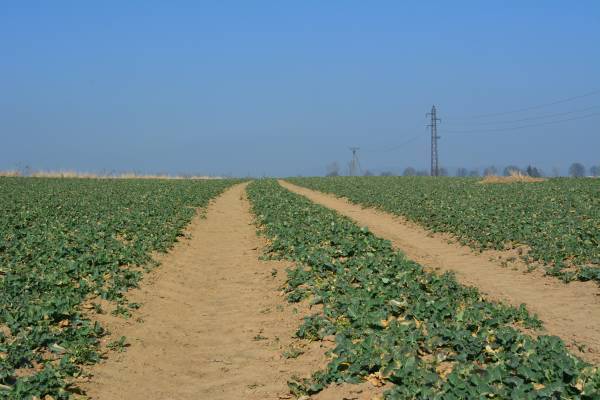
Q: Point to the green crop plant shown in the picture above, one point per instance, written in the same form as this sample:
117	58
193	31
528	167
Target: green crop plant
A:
558	220
394	322
64	242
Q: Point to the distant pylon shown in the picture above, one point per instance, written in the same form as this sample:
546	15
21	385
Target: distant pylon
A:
354	164
435	167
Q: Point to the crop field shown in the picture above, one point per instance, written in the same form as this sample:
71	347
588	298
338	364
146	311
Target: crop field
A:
71	249
64	243
202	201
558	220
394	322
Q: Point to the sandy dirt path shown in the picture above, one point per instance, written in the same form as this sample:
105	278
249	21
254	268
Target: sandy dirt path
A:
571	311
214	322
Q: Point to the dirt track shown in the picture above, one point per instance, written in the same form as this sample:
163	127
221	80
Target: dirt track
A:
570	311
214	323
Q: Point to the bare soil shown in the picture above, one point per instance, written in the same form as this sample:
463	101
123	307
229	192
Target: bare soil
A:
214	323
570	311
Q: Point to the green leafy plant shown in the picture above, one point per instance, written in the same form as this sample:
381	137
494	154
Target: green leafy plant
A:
293	352
557	220
394	322
118	345
64	242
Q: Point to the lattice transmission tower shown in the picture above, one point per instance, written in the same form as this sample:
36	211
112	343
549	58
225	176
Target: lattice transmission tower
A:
354	167
435	166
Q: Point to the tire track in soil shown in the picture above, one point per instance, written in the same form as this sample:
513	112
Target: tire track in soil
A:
570	311
214	322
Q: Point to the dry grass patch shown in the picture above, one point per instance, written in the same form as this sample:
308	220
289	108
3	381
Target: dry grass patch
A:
125	175
515	176
10	173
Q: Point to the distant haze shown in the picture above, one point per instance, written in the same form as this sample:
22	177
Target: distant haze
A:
284	88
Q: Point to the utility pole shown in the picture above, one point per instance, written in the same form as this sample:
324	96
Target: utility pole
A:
435	168
354	164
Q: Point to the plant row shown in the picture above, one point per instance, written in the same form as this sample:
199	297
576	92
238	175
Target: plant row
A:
65	243
395	323
558	221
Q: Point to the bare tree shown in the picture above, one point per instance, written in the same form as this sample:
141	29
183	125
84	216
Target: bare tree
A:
333	169
577	170
462	172
511	169
409	171
533	171
491	170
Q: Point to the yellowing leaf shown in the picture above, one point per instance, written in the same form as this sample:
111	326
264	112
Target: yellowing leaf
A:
376	379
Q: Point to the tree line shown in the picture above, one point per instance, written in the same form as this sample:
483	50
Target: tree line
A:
576	170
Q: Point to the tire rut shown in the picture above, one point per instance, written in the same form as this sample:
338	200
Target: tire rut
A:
214	322
570	311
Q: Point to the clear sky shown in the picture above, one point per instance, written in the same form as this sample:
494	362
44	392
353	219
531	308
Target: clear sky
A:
284	88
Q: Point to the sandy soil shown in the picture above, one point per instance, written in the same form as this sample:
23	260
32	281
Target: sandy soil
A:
213	322
571	311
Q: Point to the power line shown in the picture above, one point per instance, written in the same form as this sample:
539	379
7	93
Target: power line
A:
524	126
537	117
535	107
395	147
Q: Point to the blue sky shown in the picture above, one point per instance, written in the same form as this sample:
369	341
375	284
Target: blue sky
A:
284	88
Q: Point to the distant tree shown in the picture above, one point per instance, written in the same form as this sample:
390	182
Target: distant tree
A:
333	169
511	169
386	173
541	172
595	170
409	171
474	172
443	172
368	173
422	172
577	170
462	172
533	171
528	170
491	170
